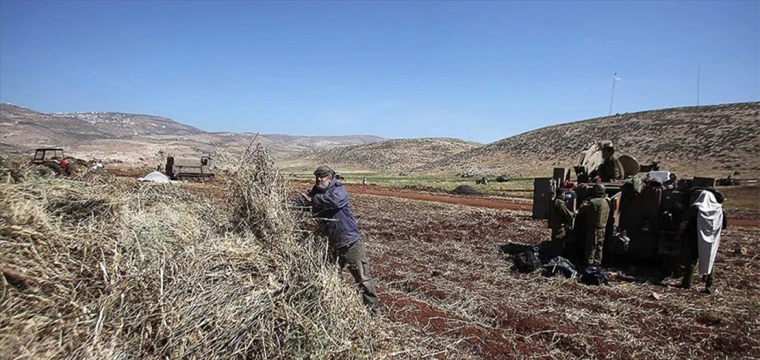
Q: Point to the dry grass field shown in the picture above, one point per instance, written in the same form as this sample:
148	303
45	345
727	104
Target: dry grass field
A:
103	267
99	266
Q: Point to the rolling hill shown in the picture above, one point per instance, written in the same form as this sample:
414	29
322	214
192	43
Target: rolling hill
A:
22	126
708	140
390	155
140	139
121	125
711	140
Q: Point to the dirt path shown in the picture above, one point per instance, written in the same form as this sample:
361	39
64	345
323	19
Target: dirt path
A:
490	203
744	222
487	203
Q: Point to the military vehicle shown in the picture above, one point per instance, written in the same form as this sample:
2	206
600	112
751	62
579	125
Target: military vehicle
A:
646	207
190	168
730	180
52	158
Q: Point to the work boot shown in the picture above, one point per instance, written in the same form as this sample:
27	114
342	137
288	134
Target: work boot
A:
709	284
688	276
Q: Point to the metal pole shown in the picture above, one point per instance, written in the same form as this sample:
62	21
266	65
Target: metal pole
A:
612	97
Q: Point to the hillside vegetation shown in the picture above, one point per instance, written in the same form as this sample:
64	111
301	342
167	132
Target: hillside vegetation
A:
712	140
140	139
708	140
390	155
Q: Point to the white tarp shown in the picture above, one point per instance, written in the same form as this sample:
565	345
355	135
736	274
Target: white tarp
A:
709	224
156	177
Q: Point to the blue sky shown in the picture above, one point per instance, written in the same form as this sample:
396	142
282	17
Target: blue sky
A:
479	71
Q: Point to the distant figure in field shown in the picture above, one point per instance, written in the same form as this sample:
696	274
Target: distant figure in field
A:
364	183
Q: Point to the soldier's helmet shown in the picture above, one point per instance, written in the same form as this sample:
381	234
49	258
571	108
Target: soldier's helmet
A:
599	190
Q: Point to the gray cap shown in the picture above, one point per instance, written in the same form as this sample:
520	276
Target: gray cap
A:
324	170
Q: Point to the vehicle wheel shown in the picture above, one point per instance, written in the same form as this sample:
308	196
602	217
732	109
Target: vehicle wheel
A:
72	169
55	167
44	171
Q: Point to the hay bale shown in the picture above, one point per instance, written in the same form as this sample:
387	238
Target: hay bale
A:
109	269
465	190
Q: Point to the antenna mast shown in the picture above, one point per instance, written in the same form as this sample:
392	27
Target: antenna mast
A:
612	96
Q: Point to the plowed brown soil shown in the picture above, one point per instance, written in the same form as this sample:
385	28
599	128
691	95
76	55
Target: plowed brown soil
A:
743	217
439	267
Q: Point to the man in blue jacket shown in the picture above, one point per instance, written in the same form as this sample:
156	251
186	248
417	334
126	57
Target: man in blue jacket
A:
329	202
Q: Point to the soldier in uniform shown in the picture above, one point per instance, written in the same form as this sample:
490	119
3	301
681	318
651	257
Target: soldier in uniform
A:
561	221
597	211
610	169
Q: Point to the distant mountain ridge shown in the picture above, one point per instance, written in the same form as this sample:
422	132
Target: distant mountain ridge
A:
709	140
126	125
140	138
388	155
317	142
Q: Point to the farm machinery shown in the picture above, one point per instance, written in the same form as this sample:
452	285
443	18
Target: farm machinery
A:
646	207
52	158
190	168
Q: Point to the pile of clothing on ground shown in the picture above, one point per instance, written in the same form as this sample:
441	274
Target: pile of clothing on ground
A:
529	261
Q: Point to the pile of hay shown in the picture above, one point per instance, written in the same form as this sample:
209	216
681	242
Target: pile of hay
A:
107	268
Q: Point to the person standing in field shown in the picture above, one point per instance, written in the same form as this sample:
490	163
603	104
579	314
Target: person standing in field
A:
364	183
561	221
597	211
329	202
700	235
610	169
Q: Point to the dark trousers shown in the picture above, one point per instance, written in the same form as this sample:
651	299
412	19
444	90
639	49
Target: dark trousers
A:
355	258
688	276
